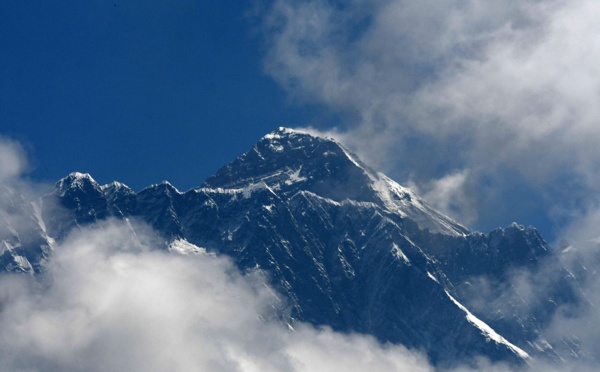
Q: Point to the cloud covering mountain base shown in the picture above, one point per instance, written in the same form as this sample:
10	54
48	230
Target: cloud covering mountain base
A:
111	300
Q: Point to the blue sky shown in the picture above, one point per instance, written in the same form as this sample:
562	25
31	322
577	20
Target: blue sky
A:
489	110
135	91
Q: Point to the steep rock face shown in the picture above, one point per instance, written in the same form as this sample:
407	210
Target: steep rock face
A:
347	246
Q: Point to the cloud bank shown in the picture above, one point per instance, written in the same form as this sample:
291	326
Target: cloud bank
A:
505	94
114	302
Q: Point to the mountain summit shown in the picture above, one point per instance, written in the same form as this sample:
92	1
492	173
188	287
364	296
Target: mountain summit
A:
345	245
291	160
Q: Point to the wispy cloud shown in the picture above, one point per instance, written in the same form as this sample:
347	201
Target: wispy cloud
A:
13	161
451	194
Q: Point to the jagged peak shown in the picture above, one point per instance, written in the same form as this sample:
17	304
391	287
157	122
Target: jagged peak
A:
286	132
80	176
75	180
283	150
283	131
164	185
115	185
116	188
516	227
298	134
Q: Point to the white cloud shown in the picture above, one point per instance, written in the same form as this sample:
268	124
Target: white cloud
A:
507	90
116	303
13	161
449	194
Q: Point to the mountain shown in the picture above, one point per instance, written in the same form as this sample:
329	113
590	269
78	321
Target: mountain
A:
347	246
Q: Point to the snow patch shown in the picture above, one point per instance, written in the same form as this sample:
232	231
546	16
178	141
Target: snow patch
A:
348	269
245	191
81	176
432	277
294	177
276	147
182	246
23	263
399	254
115	185
248	190
74	180
351	158
164	183
258	153
487	331
281	131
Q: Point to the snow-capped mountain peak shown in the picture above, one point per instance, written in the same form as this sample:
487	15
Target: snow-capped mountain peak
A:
292	160
74	181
